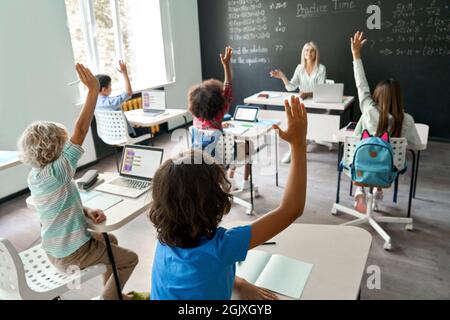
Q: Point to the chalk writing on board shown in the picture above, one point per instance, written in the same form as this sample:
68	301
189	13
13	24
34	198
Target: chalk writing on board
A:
415	30
320	8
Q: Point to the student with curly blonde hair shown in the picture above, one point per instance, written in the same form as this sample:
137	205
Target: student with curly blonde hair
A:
53	156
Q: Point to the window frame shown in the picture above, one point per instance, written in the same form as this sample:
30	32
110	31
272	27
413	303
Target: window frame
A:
91	43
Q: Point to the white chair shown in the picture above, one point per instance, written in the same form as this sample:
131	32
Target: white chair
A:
30	275
112	128
399	148
222	149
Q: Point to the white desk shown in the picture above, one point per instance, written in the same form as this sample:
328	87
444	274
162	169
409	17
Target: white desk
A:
138	118
338	254
256	132
321	126
116	217
422	129
8	159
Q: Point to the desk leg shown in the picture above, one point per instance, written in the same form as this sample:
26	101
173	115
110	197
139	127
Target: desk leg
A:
340	152
251	188
187	131
395	190
416	173
113	265
338	191
411	186
276	160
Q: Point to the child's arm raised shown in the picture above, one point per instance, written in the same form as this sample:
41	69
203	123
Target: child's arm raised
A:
84	120
226	60
294	196
124	71
365	98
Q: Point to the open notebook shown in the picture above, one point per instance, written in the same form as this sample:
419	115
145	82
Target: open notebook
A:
275	272
99	200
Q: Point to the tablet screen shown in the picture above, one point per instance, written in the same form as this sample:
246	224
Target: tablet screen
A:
246	114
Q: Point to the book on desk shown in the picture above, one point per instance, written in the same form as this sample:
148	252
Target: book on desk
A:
275	272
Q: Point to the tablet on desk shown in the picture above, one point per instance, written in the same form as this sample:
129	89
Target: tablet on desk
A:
246	113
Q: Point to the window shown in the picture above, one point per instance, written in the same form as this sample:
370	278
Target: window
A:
104	31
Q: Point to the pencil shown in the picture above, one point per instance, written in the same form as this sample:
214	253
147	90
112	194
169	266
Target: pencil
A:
73	83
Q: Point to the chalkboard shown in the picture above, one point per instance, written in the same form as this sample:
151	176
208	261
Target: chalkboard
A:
413	46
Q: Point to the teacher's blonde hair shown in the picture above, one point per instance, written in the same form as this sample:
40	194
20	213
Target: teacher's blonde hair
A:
313	46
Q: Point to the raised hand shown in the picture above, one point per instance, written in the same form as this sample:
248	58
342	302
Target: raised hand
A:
122	67
226	57
357	42
297	122
278	74
87	78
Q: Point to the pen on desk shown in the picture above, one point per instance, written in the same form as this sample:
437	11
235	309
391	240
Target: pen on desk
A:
268	243
73	83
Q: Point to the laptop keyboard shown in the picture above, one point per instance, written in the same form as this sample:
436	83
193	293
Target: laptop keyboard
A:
131	183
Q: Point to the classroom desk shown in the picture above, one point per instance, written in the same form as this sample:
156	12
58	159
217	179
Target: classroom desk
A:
254	133
338	254
116	217
423	131
324	119
137	118
8	159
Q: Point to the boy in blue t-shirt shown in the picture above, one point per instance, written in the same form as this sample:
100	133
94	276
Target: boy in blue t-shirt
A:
194	258
106	102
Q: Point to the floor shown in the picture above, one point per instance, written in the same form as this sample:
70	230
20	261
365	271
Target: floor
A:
416	268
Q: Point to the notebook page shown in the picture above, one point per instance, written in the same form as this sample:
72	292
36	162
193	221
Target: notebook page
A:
251	268
285	275
102	201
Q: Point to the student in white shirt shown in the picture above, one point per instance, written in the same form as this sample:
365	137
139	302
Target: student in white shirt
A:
382	111
307	74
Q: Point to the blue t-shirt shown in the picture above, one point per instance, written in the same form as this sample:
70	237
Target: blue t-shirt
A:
205	272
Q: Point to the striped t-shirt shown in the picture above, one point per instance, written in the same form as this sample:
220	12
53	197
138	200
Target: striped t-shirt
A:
58	204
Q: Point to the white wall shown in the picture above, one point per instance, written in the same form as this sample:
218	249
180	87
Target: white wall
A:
186	39
36	63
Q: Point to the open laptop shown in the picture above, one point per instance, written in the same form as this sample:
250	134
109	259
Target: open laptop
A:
137	168
153	102
246	113
328	93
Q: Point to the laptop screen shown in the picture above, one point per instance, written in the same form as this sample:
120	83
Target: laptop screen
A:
153	100
244	113
140	162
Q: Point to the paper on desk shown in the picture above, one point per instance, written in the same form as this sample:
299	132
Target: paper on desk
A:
101	201
236	130
285	275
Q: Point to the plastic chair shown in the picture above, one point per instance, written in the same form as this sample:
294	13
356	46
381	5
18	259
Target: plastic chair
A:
399	148
221	146
30	275
112	128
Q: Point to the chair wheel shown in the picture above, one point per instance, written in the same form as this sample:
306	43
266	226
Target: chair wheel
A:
387	246
334	211
409	227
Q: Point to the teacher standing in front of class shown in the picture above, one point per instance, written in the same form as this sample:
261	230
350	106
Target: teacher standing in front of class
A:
307	74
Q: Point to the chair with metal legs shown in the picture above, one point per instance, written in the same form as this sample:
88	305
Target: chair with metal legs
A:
112	128
399	149
221	146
